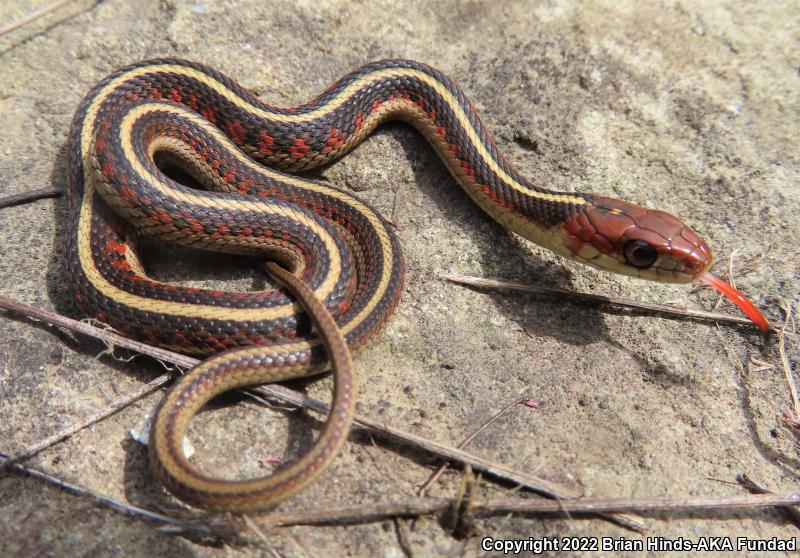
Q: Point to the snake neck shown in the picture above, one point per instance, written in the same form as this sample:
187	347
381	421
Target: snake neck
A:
348	111
435	105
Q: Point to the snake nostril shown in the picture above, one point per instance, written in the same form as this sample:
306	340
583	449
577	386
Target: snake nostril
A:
696	263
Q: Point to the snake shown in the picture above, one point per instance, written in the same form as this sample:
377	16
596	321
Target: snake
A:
175	150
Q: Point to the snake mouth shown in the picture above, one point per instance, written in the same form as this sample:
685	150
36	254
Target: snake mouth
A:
683	266
665	269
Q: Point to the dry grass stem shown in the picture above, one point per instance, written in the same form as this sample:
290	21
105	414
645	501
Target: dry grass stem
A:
787	367
731	277
442	468
254	527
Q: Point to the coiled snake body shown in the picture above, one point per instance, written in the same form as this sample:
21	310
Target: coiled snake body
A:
182	113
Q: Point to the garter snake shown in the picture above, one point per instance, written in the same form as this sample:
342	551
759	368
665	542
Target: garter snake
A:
237	149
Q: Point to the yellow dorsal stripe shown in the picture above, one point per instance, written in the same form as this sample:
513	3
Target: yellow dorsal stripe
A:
196	310
336	102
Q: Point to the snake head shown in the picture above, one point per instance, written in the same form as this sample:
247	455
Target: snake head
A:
626	238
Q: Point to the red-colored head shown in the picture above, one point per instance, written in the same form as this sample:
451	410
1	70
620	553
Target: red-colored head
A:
626	238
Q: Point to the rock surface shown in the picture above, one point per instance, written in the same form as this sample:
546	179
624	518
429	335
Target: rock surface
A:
686	106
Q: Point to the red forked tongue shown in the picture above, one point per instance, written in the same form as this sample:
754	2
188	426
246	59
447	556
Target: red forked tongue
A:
738	298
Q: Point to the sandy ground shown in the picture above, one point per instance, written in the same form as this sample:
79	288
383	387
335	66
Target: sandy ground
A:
686	106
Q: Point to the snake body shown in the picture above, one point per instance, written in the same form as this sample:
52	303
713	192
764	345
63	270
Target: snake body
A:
172	112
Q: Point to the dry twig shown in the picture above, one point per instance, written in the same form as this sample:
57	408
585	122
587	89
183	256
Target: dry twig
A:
496	470
33	16
114	407
486	508
753	486
173	523
592	298
107	336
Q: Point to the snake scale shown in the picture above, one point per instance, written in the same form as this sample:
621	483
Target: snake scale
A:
334	256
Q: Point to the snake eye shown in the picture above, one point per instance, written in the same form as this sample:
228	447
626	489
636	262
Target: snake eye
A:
639	253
